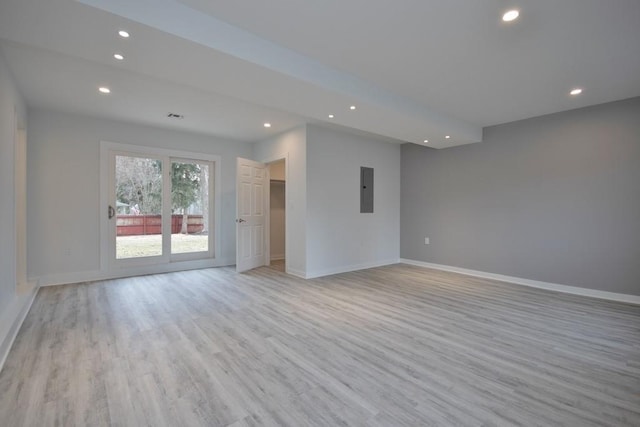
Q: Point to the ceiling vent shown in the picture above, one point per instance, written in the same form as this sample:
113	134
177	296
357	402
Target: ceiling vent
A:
175	116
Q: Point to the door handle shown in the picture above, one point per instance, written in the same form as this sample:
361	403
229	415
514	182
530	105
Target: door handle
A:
111	212
240	220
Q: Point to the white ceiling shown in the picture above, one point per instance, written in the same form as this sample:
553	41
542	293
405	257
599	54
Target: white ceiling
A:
415	69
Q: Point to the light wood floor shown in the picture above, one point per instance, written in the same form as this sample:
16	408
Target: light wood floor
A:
391	346
278	264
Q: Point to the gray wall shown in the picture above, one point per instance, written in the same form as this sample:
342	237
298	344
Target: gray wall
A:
553	198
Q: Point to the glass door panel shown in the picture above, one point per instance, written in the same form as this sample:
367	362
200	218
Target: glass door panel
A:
190	206
138	191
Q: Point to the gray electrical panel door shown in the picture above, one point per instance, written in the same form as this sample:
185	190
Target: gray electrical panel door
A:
366	190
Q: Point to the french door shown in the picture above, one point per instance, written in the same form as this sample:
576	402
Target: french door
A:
160	207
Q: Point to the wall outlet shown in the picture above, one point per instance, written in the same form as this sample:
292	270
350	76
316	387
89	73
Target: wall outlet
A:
426	240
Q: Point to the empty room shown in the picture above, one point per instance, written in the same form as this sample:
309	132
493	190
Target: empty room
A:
354	213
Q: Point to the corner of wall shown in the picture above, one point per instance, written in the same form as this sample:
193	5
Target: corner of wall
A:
11	320
293	143
13	304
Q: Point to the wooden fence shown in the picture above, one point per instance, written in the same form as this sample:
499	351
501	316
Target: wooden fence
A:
140	225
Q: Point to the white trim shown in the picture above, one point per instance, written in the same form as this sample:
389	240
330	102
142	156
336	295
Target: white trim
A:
18	315
593	293
282	156
27	286
297	273
277	257
20	203
349	268
94	275
267	220
69	278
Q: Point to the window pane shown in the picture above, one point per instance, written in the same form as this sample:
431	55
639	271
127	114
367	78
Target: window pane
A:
138	207
189	207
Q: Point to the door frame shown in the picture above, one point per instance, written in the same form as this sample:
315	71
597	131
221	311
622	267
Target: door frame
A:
272	159
107	265
22	284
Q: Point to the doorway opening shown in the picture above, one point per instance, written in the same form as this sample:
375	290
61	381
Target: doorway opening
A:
277	215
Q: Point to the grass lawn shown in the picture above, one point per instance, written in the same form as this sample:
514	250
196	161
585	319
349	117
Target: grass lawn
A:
151	245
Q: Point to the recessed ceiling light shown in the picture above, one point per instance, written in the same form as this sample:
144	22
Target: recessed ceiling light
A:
331	116
510	15
426	141
104	89
123	34
118	56
447	136
267	125
353	107
576	91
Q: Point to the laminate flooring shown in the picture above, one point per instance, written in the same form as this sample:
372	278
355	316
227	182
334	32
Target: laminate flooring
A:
278	265
390	346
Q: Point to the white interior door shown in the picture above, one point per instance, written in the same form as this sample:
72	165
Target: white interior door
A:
252	181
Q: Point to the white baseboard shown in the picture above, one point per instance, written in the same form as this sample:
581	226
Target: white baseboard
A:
348	268
594	293
93	275
67	278
14	317
297	273
277	257
26	287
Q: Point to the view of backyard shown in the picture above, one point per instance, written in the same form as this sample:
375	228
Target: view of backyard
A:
140	203
151	245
